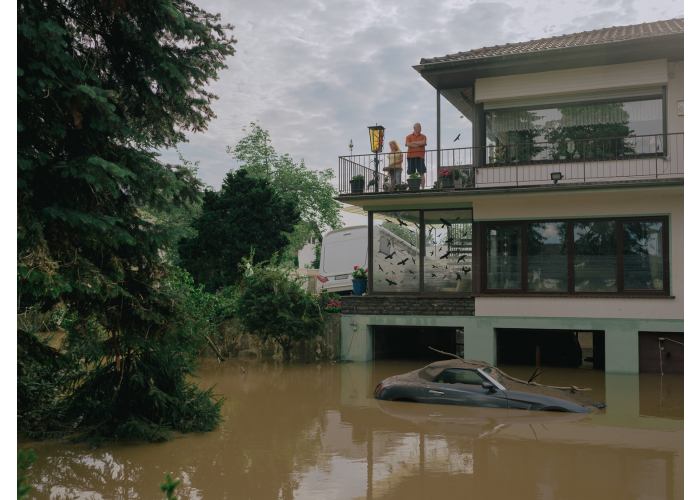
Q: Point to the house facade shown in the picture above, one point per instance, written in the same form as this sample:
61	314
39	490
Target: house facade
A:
559	234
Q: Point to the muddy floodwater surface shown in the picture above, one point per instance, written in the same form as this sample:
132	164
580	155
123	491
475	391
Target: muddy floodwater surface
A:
315	431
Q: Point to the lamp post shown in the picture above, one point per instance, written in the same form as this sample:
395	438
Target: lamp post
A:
376	142
351	145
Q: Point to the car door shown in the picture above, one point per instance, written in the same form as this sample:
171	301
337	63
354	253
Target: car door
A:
459	386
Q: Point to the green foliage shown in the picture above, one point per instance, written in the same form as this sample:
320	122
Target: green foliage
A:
329	302
168	487
25	458
311	192
42	374
246	214
101	85
272	303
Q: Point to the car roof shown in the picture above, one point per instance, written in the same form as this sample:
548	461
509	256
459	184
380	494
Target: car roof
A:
433	369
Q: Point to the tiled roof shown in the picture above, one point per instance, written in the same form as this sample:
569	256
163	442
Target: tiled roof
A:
583	39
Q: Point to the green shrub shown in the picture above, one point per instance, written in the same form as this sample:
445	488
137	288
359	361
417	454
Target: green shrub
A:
273	303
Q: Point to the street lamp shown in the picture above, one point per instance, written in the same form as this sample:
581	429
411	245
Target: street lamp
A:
376	142
351	145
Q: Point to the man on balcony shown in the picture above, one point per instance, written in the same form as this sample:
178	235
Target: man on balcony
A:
415	143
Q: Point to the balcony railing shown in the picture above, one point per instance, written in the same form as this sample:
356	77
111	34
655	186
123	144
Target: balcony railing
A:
591	160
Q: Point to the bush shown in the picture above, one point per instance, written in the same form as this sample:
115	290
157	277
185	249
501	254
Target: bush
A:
273	303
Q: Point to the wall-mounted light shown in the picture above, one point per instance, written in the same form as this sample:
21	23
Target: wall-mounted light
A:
556	177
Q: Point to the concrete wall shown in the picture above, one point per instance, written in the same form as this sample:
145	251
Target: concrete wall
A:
591	203
674	97
568	81
621	335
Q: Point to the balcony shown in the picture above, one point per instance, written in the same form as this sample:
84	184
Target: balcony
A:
571	161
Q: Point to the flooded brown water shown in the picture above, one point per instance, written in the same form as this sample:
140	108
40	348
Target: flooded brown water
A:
314	431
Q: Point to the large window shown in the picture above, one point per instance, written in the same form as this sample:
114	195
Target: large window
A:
643	255
422	251
600	256
575	131
504	257
595	256
546	257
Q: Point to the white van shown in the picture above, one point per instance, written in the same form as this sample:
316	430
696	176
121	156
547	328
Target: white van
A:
341	250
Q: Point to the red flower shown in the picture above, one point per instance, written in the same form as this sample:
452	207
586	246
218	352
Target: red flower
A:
444	172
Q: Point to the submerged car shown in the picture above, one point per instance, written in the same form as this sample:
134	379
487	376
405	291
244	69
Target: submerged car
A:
475	383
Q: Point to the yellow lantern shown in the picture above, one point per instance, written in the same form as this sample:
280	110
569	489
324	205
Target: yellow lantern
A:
376	138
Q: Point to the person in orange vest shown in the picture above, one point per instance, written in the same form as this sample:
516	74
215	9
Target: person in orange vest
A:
415	155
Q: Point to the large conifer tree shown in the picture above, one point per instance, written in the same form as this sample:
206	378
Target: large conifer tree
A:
102	84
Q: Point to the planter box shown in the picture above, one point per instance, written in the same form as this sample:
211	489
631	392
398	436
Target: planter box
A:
357	186
413	184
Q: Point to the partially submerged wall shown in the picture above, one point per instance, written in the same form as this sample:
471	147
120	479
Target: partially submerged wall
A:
234	342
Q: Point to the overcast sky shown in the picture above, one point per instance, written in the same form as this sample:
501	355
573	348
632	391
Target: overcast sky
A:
317	73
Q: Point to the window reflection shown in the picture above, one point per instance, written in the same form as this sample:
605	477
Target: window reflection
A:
595	259
503	257
597	130
643	255
546	257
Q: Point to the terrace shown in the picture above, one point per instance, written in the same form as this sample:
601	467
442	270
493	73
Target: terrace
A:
566	161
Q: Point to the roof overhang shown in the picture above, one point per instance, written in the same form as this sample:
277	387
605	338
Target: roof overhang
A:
459	74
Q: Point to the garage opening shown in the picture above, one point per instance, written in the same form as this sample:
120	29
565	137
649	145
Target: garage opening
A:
563	348
411	342
660	352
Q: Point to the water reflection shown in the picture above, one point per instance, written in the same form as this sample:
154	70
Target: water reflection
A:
314	431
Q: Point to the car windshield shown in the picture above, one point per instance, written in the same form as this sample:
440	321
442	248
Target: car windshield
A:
494	374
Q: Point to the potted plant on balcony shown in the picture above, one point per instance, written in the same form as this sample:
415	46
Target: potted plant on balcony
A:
359	280
447	177
357	184
414	181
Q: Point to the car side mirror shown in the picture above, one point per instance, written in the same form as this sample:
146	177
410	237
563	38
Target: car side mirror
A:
488	386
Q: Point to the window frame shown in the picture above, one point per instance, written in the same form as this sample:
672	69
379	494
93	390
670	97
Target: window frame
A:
484	227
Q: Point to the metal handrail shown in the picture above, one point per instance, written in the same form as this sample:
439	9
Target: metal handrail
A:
590	159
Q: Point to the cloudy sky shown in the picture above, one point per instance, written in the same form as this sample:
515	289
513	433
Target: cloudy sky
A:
316	73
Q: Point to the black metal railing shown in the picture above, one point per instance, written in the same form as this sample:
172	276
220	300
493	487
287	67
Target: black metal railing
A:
584	160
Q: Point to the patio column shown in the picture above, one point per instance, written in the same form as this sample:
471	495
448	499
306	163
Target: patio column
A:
437	91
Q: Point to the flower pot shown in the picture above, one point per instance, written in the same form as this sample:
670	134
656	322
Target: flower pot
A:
413	184
357	186
447	182
359	286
